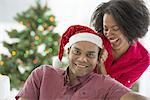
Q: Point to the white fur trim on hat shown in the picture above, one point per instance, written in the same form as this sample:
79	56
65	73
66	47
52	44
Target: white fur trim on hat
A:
85	37
56	62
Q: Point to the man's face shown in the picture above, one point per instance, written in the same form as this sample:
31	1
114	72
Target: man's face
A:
83	57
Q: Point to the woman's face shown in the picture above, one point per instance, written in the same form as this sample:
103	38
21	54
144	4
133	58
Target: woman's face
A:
113	33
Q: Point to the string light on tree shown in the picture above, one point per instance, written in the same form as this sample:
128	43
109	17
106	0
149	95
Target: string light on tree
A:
46	51
40	28
35	61
45	32
19	61
39	20
27	51
28	24
1	63
36	37
50	28
32	44
44	25
13	53
32	33
50	50
31	51
52	19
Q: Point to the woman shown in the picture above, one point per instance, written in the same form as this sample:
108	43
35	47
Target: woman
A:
122	22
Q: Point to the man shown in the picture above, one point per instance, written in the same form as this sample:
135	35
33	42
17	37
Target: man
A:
78	81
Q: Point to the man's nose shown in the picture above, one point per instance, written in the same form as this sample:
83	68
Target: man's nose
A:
82	59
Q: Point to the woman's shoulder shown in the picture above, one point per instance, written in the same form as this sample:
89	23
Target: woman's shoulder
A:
139	47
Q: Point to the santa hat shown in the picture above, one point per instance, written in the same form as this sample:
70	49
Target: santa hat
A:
75	34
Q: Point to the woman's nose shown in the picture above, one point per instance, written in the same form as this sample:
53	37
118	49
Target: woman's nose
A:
107	33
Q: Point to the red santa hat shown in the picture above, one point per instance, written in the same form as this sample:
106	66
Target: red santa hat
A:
78	33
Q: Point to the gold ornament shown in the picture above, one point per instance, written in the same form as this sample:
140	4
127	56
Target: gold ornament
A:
13	53
52	19
36	37
27	52
1	63
46	51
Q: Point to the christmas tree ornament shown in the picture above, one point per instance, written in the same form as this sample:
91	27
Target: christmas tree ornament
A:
39	20
35	61
45	32
40	28
44	25
52	19
31	51
50	50
47	51
13	53
32	33
1	63
21	69
50	28
36	42
50	39
36	37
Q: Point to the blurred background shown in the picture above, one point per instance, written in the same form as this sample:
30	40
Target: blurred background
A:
34	28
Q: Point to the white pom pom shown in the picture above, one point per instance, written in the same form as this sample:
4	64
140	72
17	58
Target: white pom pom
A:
56	62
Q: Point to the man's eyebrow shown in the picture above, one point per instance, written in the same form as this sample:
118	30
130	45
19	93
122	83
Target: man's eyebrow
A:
76	48
91	52
85	48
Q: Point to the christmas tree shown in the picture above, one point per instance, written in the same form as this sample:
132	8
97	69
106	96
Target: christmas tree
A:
37	44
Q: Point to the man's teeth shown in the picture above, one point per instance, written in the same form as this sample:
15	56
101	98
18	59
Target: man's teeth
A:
82	66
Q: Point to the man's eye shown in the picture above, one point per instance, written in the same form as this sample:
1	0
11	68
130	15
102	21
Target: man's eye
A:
91	55
76	52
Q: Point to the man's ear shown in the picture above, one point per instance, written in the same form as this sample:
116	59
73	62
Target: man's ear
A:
99	54
68	51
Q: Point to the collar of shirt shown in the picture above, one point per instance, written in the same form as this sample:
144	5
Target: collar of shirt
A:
79	81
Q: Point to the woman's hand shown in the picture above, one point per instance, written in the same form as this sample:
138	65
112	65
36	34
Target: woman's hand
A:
102	58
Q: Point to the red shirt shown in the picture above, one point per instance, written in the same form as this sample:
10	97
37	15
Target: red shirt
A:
130	66
46	83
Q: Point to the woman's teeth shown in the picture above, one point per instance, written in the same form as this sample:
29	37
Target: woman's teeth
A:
113	40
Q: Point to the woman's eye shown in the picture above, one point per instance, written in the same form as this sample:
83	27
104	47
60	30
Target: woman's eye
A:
116	29
105	29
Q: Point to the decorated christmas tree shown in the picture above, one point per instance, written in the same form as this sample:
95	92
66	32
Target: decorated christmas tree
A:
37	44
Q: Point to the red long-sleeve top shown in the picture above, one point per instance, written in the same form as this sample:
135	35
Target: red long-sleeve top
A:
130	66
